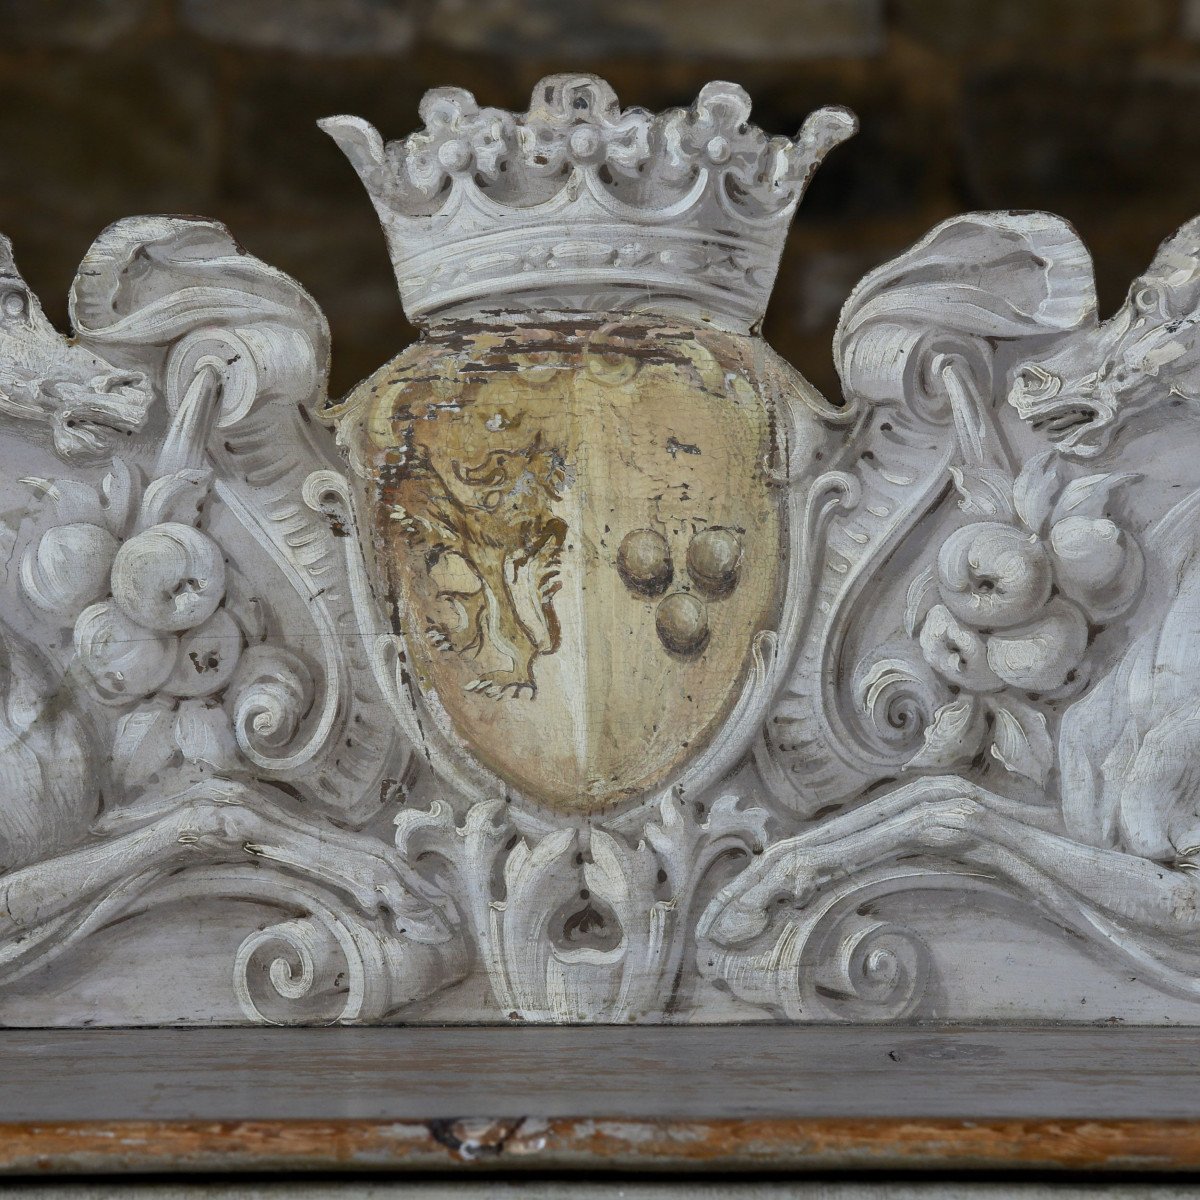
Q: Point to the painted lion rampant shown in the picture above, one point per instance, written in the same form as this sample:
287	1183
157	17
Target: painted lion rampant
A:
492	547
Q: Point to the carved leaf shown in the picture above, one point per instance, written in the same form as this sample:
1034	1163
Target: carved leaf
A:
953	737
609	874
922	596
204	737
437	820
1035	489
118	490
985	492
70	500
1089	495
143	745
1022	742
685	850
728	819
176	497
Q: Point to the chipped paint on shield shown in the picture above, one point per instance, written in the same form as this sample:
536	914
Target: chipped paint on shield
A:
579	517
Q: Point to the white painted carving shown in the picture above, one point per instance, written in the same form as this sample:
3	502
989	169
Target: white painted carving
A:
689	207
973	697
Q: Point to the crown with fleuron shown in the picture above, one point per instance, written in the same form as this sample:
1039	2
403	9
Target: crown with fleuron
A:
580	206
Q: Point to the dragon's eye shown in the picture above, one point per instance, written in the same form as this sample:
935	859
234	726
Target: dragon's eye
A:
13	304
1037	381
1146	299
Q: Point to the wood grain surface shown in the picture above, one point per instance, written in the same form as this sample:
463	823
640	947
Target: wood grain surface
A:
598	1145
638	1073
746	1098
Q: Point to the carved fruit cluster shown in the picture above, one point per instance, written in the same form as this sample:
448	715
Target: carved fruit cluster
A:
144	606
144	590
1011	607
714	562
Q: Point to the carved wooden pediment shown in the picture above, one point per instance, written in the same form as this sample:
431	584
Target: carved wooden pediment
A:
585	663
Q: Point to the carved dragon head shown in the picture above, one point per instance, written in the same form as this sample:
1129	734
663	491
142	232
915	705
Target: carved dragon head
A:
45	377
1097	380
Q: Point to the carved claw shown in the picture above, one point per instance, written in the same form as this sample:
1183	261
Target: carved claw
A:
741	910
212	827
733	920
499	684
377	888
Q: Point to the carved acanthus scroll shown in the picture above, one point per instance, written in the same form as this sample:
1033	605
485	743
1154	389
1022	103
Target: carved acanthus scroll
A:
1007	666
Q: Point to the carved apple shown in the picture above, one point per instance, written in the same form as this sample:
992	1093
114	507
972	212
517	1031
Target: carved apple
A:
169	578
1096	563
1039	656
994	576
208	657
957	652
68	568
124	659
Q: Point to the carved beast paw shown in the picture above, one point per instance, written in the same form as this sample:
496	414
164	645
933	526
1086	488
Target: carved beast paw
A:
948	824
786	874
229	826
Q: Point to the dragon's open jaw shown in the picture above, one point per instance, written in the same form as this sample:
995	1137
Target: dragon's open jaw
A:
1076	421
1066	422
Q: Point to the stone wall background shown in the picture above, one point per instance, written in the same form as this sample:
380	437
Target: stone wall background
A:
115	107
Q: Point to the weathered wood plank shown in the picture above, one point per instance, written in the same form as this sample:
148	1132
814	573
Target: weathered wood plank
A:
596	1146
632	1074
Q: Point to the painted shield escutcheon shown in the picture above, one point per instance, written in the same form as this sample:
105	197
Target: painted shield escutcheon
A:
576	528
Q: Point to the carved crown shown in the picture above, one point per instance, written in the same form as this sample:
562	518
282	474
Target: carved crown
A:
580	206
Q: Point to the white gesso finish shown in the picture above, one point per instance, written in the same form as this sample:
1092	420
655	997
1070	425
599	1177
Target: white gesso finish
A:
964	783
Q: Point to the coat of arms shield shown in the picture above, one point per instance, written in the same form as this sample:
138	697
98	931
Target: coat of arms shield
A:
571	483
